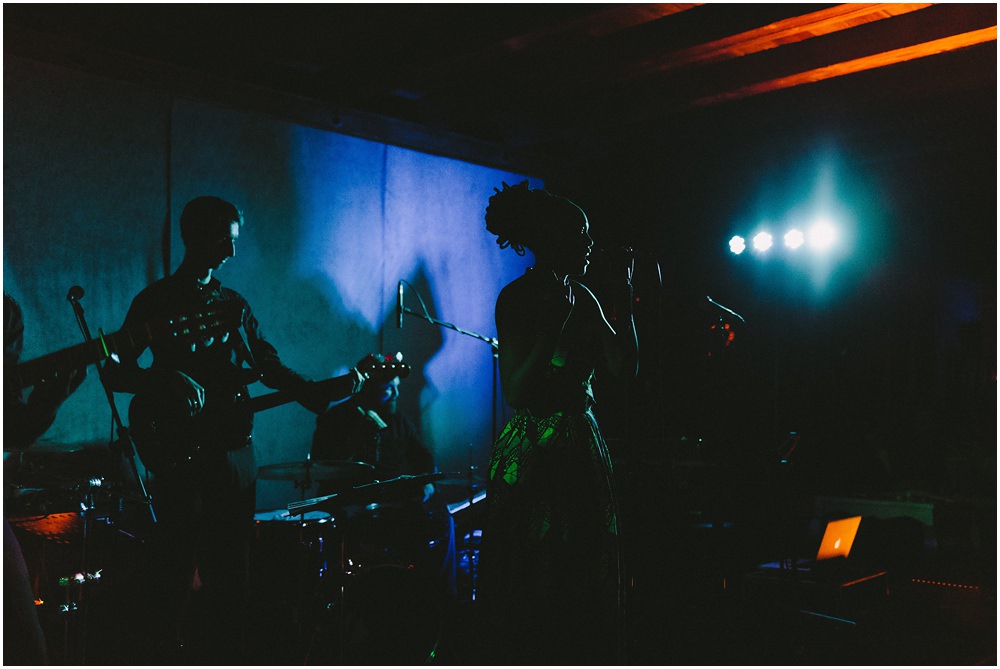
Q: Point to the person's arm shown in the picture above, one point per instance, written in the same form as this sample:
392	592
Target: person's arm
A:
27	420
619	341
276	375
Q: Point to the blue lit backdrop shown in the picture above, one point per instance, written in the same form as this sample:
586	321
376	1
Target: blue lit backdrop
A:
94	170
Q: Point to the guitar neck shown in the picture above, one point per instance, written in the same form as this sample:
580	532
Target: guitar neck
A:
32	372
336	388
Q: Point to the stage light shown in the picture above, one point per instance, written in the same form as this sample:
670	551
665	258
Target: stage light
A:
794	239
737	245
762	241
822	235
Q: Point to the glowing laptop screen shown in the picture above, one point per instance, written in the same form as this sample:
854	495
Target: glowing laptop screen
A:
838	538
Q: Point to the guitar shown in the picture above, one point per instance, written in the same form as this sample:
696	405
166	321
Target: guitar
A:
193	328
166	435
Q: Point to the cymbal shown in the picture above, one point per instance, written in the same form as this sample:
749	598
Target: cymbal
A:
402	481
406	486
475	482
317	470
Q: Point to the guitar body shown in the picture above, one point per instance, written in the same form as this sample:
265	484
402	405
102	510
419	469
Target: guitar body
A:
166	436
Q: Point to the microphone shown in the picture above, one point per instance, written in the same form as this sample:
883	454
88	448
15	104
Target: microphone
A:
75	293
621	251
616	257
399	306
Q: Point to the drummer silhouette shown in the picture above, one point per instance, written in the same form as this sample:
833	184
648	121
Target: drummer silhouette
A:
369	428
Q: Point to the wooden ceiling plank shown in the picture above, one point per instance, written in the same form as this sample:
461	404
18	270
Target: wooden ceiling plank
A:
676	88
876	60
551	82
790	31
772	35
670	93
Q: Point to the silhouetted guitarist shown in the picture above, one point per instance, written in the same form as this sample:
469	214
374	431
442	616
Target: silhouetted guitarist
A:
27	416
203	484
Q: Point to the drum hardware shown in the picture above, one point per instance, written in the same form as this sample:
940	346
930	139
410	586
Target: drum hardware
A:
291	556
356	573
468	554
63	540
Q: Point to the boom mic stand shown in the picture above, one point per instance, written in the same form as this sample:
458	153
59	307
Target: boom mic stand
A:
76	602
123	445
495	348
492	341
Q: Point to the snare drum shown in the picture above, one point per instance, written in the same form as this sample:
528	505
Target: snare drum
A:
404	534
291	554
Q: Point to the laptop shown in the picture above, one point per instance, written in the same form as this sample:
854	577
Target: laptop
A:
838	539
831	556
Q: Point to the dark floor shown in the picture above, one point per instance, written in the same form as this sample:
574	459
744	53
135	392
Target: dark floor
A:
940	612
695	596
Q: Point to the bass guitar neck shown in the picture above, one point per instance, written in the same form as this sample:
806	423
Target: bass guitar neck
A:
213	322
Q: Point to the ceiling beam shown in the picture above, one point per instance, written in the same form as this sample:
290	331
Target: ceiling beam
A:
781	33
927	32
856	65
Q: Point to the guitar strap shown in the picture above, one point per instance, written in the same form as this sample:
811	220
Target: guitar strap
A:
243	354
240	347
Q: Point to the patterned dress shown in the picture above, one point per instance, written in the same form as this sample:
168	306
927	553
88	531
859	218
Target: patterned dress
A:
550	577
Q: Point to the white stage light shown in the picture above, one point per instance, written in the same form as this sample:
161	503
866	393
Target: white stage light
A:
762	241
822	235
794	239
737	245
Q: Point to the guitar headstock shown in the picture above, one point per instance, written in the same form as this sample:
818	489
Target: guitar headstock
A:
203	328
382	368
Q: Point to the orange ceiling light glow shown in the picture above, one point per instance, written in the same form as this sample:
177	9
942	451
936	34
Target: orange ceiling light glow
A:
789	31
856	65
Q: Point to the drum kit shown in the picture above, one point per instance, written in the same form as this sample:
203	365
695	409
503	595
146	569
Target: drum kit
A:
367	571
62	510
359	576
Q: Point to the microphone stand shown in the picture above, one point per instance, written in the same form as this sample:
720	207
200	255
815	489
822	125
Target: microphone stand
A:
123	445
76	608
495	348
492	341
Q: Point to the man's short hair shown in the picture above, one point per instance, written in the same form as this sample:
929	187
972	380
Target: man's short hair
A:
204	213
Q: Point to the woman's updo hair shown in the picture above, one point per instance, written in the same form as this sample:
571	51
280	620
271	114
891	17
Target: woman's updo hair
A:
523	217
